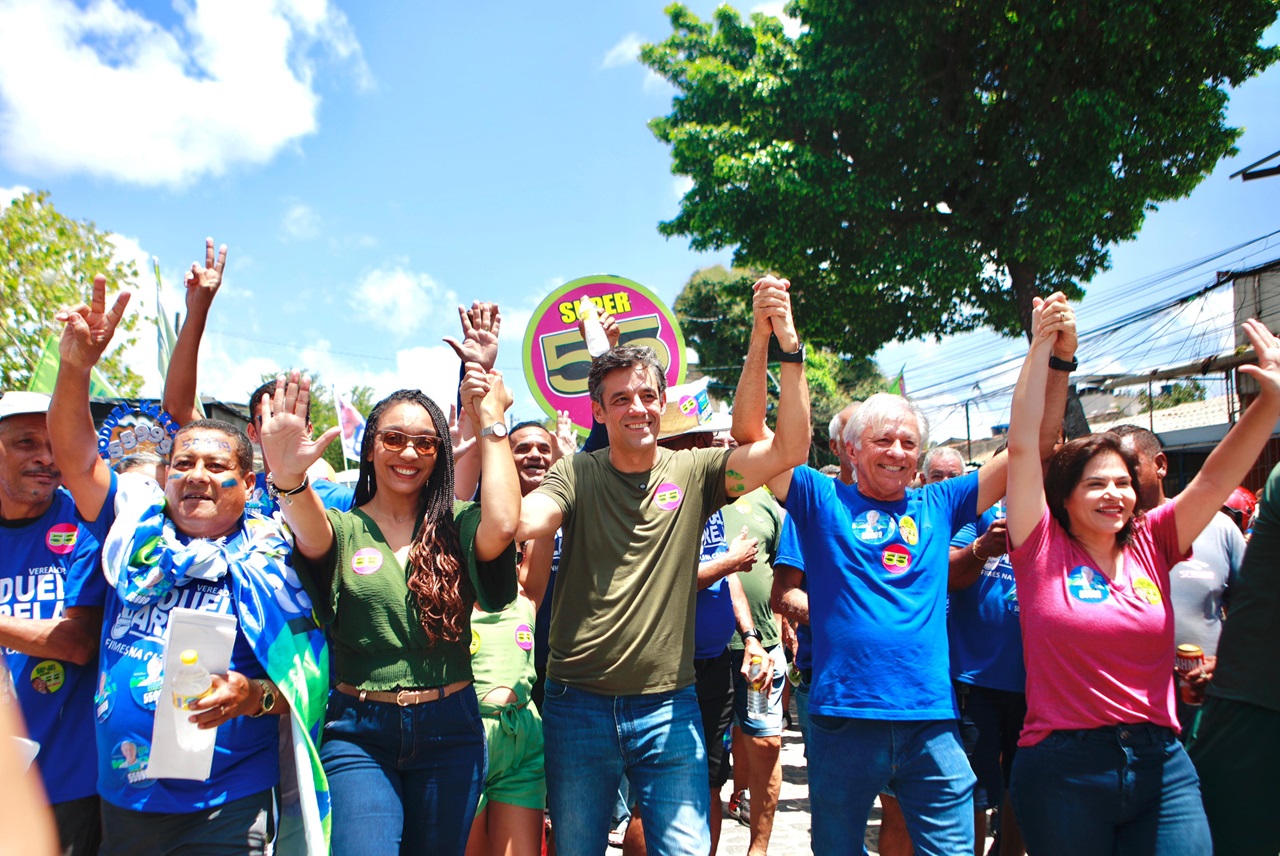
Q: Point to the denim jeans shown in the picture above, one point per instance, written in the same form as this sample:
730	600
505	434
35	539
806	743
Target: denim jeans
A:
852	760
655	739
403	779
1124	789
800	692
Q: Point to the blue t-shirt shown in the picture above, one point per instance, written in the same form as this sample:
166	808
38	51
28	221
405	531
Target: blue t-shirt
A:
982	624
878	594
47	565
332	495
789	554
713	623
246	754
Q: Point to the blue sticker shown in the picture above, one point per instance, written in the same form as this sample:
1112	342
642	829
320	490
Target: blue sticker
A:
1011	601
1087	585
145	683
129	763
874	527
105	696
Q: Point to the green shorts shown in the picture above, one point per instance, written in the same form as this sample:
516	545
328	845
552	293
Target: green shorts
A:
516	774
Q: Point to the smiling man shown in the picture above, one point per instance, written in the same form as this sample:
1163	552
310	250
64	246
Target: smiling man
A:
620	692
192	546
51	597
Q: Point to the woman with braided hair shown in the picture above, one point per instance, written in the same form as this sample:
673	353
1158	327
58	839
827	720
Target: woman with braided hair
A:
395	579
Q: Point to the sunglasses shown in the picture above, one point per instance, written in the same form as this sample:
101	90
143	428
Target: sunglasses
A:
423	444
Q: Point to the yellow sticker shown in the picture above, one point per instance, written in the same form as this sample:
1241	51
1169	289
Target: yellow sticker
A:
743	507
475	642
1147	591
907	527
48	676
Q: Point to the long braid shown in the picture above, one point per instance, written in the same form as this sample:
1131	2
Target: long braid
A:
438	576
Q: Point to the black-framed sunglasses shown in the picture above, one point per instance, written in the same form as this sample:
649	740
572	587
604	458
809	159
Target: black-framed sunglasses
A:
423	444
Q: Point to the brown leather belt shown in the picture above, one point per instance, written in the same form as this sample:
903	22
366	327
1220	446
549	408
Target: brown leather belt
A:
404	698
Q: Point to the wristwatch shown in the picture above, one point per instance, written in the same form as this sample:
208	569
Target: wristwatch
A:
744	635
268	697
796	356
1063	365
497	429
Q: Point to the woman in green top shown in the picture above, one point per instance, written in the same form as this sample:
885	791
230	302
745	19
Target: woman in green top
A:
395	579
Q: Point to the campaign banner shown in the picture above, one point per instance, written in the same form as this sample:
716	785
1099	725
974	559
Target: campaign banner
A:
556	361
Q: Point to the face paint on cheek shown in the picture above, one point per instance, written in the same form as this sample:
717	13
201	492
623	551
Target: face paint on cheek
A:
175	476
230	483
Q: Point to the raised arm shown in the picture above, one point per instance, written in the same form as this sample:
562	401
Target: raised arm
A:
486	399
180	381
480	326
287	444
85	337
1230	461
771	459
1025	497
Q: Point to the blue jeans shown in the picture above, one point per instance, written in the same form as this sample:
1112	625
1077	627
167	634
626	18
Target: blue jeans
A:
800	692
855	759
403	779
1124	789
655	739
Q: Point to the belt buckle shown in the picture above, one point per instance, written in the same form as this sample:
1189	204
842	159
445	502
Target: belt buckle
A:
404	698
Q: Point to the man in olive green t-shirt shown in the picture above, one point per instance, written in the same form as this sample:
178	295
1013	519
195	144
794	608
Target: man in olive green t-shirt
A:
619	693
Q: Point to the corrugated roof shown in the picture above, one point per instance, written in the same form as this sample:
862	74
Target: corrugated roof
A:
1193	414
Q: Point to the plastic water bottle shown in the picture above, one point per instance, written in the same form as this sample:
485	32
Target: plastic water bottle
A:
758	685
597	341
191	683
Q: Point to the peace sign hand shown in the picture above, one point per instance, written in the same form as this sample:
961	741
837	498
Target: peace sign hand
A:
88	329
203	282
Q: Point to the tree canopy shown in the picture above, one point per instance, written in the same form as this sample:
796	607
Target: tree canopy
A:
919	168
47	262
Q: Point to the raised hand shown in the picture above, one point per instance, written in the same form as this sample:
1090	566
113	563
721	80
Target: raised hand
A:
772	302
286	442
480	326
612	331
88	328
1053	322
474	386
566	435
743	549
203	282
1267	348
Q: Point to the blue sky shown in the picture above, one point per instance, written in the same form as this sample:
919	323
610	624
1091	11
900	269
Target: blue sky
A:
371	165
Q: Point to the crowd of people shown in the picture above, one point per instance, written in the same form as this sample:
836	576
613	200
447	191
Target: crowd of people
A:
500	642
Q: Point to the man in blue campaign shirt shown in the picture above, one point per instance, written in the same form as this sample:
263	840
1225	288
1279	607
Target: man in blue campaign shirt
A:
201	552
51	597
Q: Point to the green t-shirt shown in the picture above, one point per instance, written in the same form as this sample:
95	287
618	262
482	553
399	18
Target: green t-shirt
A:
375	626
759	512
622	613
502	650
1248	667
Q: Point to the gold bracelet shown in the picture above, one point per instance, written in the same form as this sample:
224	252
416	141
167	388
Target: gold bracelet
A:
973	548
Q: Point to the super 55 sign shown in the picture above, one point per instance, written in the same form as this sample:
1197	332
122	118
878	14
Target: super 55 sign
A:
556	361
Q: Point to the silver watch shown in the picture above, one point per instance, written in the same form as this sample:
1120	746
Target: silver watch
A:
497	429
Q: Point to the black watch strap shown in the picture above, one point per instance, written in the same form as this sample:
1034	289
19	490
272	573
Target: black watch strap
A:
793	357
1062	365
750	634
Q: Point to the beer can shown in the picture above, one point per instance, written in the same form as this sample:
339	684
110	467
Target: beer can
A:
1187	659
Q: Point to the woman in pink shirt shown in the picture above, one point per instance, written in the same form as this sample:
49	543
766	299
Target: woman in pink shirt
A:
1100	769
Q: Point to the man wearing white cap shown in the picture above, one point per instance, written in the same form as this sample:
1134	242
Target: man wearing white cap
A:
51	596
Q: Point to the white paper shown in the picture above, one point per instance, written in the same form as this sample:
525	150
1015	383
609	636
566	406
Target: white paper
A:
213	635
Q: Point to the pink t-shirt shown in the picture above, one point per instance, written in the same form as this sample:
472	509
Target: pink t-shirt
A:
1098	652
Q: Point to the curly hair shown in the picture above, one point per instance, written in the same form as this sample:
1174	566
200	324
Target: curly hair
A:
438	574
1066	468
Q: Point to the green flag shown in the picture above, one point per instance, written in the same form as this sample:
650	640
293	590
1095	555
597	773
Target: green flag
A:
45	374
899	385
166	338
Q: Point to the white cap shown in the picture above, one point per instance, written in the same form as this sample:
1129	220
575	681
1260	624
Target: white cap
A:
17	402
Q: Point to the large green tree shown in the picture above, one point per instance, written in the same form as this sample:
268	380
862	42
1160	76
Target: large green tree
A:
47	262
919	168
714	310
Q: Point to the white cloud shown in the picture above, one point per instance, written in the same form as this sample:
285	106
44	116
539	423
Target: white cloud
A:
402	301
300	223
790	26
681	185
106	91
625	52
8	194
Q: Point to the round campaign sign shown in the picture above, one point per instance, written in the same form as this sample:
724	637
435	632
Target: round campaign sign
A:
555	356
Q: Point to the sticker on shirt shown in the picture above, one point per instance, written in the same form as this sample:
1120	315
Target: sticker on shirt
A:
742	506
1087	585
667	496
129	763
144	684
48	676
896	559
524	637
1147	590
105	696
61	538
366	561
910	532
1011	601
874	527
475	642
